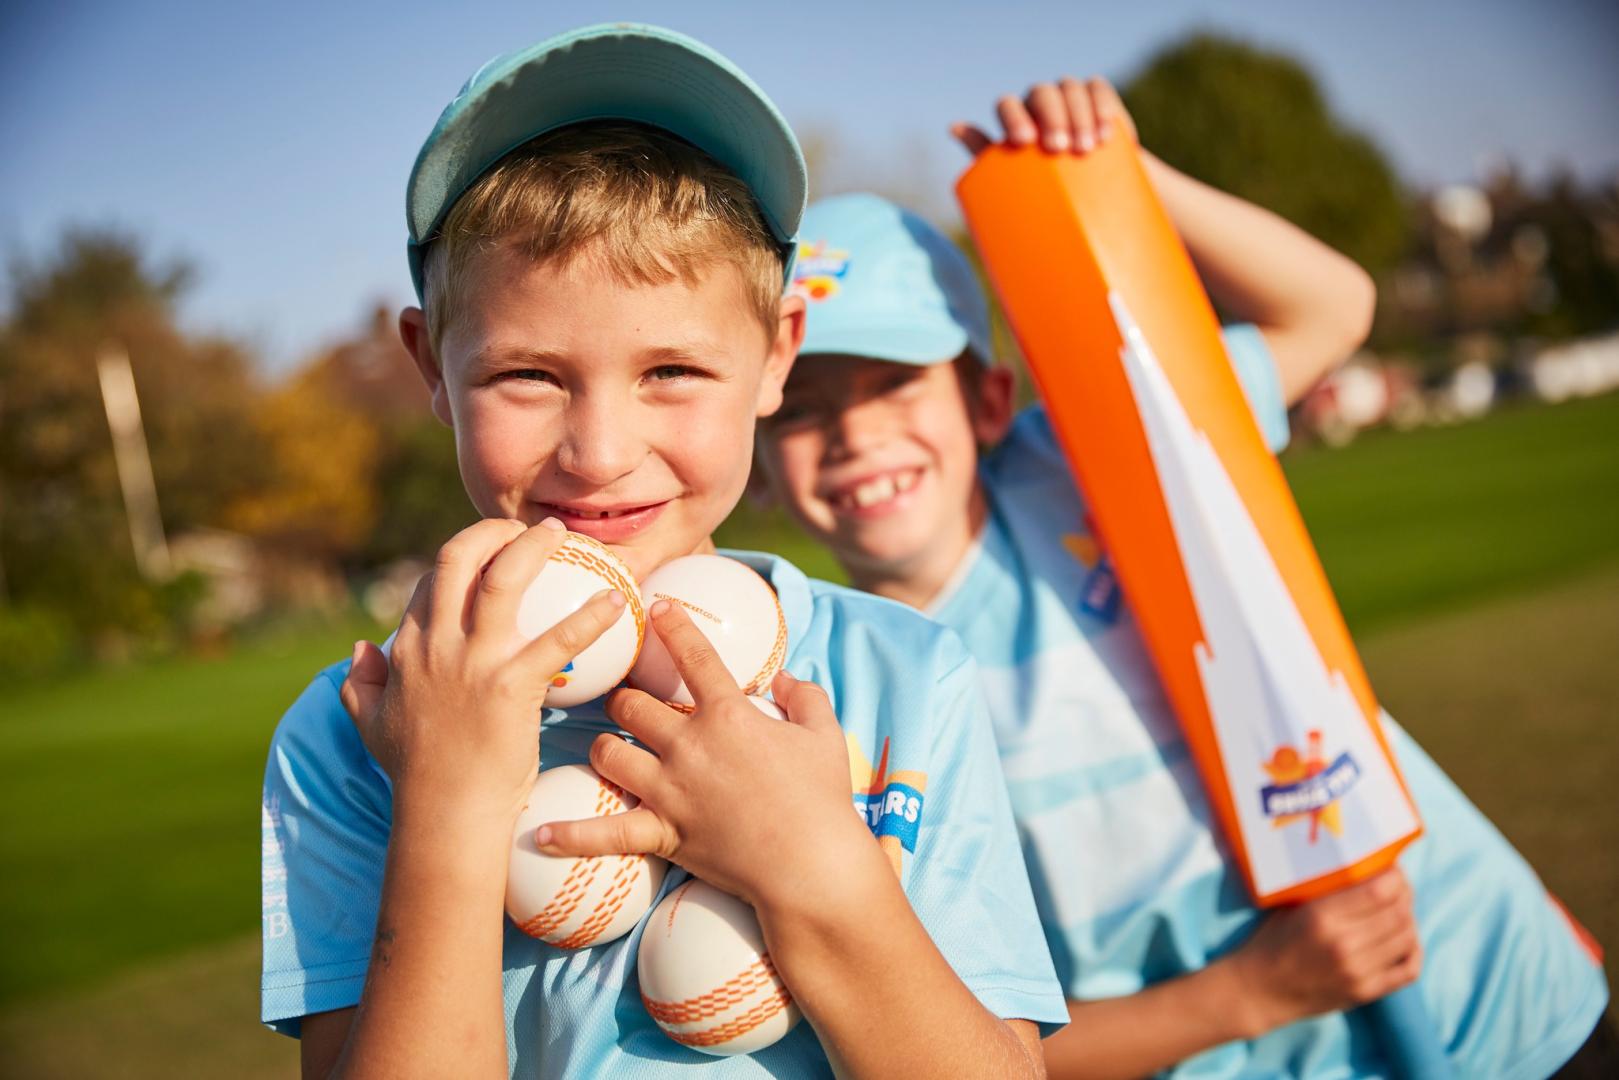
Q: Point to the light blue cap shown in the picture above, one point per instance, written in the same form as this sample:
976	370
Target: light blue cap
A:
614	71
882	283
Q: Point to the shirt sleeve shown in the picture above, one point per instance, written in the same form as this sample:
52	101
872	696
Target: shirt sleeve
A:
325	820
970	887
1256	369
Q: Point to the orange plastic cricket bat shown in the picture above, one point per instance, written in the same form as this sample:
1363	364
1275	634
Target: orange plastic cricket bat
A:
1195	514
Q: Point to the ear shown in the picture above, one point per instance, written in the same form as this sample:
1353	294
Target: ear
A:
993	404
783	350
419	343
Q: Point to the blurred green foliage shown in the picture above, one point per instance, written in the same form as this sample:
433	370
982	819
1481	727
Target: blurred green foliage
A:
1254	122
64	540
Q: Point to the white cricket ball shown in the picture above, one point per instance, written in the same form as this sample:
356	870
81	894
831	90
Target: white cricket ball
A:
706	978
572	901
578	570
736	610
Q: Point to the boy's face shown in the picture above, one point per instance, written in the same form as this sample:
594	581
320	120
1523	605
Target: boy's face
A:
878	460
627	411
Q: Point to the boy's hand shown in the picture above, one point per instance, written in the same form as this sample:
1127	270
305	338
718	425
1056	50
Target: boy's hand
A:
1061	116
753	805
453	714
1333	953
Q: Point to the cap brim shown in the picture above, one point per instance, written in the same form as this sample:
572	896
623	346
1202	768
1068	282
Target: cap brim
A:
612	72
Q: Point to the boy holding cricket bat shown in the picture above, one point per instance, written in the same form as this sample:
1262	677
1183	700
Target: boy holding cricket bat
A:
1166	964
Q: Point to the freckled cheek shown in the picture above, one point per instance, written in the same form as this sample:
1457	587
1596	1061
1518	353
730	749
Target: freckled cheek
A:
501	449
709	449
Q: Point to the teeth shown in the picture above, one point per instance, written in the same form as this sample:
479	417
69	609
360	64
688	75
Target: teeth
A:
873	492
905	481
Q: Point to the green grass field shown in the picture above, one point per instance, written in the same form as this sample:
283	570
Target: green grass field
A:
1479	566
1413	524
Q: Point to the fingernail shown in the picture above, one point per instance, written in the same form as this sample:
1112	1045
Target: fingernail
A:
554	524
542	836
1086	143
354	657
1056	142
658	608
1104	131
614	597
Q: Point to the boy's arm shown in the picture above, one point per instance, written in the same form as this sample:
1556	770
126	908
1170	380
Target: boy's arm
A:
452	717
1334	953
760	808
1313	304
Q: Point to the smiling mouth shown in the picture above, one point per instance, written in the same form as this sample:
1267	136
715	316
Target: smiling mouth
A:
874	492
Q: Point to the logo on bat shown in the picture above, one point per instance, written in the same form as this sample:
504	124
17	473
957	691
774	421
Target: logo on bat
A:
1307	786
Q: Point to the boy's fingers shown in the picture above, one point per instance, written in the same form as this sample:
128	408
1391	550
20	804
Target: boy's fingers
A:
1050	114
634	832
1111	115
573	634
1015	121
699	665
366	679
1364	898
459	562
629	766
973	138
651	721
1081	114
805	703
501	586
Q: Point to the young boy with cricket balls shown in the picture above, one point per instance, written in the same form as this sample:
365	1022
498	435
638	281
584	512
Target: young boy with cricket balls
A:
602	324
1167	966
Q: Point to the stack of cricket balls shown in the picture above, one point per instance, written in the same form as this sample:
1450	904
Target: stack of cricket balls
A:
706	977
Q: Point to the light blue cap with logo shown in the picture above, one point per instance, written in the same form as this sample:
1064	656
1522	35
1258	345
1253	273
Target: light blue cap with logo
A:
882	283
614	71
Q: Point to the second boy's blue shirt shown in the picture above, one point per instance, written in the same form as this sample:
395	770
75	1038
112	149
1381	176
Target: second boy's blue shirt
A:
907	696
1135	883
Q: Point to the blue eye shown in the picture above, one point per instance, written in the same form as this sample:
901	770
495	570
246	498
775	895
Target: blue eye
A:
526	375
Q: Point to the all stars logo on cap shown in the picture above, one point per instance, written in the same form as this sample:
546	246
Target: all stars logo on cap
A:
819	271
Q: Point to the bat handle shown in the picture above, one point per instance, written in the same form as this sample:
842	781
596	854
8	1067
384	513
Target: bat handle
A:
1410	1039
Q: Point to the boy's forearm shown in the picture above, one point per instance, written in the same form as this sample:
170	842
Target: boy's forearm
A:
881	997
1313	304
432	1003
1153	1029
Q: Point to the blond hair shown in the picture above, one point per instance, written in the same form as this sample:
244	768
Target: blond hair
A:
649	206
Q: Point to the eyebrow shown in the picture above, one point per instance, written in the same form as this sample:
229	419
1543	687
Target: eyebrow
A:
511	356
515	355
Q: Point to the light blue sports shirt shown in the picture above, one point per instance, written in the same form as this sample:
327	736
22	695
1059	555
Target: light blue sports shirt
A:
1134	883
924	775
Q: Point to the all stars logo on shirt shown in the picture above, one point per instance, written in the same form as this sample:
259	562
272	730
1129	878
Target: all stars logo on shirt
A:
890	803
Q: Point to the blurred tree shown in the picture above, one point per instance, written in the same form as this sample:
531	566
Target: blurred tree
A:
421	501
63	538
1574	233
1253	122
318	498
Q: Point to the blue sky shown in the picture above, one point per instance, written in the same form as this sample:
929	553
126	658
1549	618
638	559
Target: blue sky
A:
269	143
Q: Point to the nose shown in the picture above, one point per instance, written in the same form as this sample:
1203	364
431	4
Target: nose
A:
856	428
600	440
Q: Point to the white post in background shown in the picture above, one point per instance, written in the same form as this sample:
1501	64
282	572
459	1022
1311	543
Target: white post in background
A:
134	463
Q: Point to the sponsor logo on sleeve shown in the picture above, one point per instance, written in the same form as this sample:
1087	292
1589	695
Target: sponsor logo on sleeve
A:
889	802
